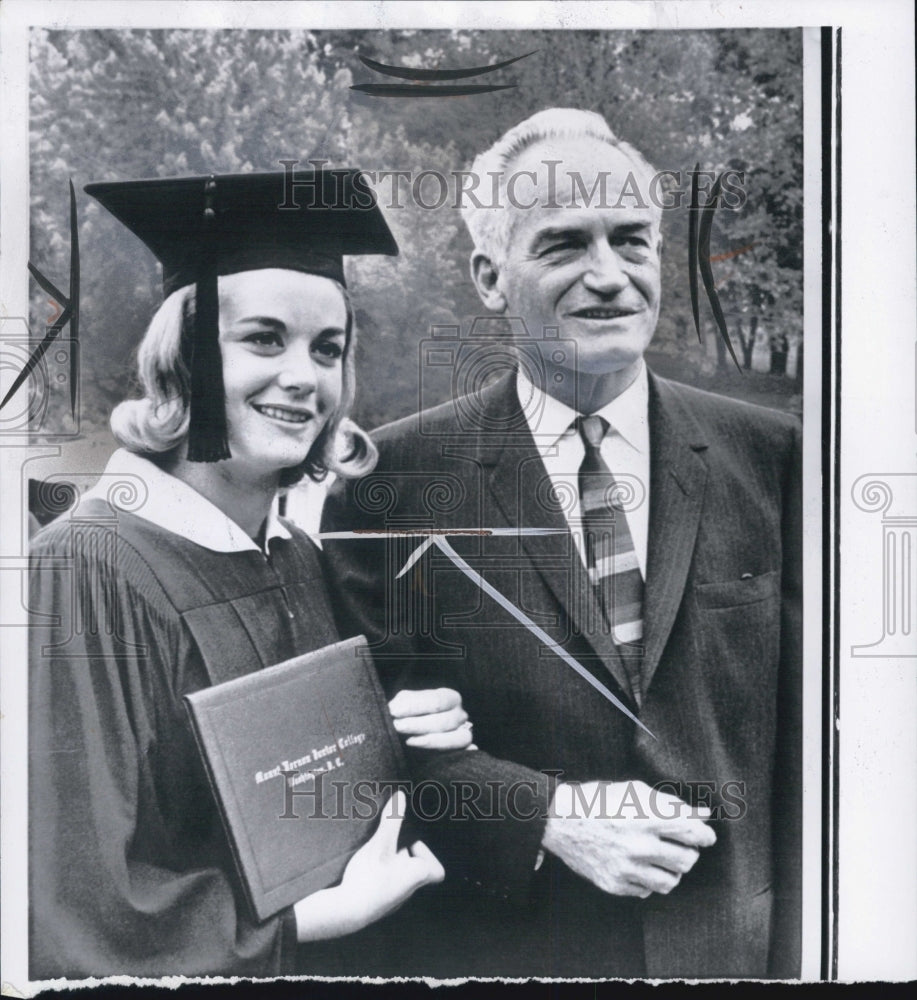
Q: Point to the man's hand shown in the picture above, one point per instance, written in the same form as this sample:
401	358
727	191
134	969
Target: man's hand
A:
625	837
432	719
376	881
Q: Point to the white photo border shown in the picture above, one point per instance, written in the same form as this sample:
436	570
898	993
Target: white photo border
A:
860	751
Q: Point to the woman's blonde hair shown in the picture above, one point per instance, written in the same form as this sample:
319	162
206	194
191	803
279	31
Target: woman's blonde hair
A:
157	423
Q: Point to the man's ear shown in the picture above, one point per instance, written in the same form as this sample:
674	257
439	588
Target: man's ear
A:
486	280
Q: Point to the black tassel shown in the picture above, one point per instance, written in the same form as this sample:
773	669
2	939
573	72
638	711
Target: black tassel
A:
207	432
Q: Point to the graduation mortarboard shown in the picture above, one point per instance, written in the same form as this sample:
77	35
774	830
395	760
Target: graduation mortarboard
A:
202	227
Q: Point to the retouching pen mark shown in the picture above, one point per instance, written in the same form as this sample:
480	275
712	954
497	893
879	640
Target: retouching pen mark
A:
439	538
422	90
699	258
410	73
731	253
428	76
442	543
706	271
692	251
69	312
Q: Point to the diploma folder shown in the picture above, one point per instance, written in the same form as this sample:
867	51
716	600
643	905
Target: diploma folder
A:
322	718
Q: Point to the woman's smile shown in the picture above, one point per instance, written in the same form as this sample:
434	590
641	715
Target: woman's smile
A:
284	414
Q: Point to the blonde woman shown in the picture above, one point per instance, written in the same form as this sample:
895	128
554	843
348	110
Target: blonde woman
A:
247	378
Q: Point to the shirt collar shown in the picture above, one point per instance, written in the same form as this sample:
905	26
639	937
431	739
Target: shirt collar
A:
549	419
175	506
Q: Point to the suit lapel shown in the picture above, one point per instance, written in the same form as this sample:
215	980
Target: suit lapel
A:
678	477
519	484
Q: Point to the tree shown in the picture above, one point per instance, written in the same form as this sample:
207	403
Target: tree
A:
125	104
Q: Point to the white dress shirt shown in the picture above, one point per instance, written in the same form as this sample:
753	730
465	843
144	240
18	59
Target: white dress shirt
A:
625	449
172	504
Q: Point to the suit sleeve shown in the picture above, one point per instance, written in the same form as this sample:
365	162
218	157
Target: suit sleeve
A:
483	816
786	942
107	894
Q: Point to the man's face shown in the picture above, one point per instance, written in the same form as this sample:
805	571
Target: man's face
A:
591	271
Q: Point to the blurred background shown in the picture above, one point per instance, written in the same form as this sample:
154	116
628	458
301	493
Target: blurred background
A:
115	105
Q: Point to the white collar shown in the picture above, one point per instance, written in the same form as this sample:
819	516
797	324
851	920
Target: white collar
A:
550	419
175	506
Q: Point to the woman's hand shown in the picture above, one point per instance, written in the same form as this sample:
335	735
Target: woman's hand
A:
432	719
376	881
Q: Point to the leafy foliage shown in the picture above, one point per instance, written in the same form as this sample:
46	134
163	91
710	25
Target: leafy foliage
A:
123	104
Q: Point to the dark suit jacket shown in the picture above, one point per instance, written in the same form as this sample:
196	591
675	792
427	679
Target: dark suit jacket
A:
721	678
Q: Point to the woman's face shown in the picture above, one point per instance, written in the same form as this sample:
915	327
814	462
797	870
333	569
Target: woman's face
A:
283	337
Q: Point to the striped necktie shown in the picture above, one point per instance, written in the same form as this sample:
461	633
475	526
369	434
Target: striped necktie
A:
610	556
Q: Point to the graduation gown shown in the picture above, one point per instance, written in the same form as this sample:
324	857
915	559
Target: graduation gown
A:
130	870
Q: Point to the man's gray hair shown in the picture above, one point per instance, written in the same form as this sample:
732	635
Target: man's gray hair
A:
489	226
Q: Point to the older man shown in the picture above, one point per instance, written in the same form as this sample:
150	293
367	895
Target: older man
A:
655	832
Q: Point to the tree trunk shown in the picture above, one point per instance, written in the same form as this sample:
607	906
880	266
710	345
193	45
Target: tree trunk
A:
721	362
779	349
747	343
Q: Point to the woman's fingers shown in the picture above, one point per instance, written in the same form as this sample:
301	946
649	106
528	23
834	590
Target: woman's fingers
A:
434	871
429	701
384	840
440	722
377	880
408	868
455	739
431	719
